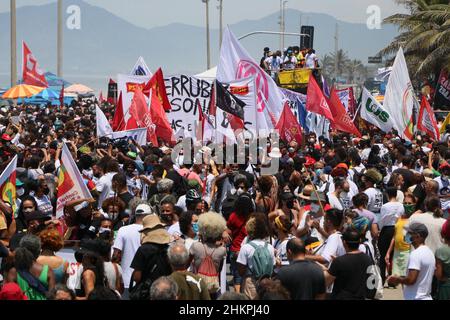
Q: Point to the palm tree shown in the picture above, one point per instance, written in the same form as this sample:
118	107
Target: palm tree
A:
339	61
425	36
356	69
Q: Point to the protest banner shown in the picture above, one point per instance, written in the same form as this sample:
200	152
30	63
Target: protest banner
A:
185	93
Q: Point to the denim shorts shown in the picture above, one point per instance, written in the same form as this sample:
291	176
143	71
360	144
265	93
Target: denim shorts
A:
237	279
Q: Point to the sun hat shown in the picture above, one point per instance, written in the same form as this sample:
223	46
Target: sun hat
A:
307	192
275	153
153	231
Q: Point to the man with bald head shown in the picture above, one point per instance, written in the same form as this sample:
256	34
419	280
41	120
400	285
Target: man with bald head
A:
303	278
190	286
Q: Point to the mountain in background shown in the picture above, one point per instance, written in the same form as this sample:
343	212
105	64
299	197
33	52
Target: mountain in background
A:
107	44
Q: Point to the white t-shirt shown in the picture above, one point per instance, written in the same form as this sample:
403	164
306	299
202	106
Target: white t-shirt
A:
182	202
104	186
358	169
444	188
290	62
247	251
281	252
274	64
343	202
44	205
110	273
310	60
353	187
128	241
365	154
314	232
333	247
375	200
174	230
389	214
434	226
421	259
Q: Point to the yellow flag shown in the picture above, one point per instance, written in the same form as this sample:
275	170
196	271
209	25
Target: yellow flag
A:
444	124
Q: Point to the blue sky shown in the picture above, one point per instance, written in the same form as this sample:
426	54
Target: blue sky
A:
151	13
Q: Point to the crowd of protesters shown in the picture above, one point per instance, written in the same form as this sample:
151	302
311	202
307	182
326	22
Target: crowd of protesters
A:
343	218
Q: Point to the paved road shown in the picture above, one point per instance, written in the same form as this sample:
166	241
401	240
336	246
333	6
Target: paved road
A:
393	294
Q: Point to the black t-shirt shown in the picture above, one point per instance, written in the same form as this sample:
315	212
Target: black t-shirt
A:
151	259
303	279
178	186
351	272
126	197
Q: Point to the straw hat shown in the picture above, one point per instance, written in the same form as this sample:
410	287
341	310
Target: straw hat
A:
153	231
307	192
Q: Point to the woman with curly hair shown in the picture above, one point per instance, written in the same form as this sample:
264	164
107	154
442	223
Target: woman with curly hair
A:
211	227
51	242
258	232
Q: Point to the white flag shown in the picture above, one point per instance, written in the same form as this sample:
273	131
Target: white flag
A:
138	135
103	126
373	112
399	98
236	63
71	186
141	68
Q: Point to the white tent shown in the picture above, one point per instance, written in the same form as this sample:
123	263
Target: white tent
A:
208	74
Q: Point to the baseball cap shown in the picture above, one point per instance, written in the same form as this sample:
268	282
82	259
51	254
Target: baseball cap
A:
143	209
418	228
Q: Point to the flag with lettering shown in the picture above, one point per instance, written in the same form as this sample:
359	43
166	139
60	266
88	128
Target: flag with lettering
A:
342	120
316	101
31	73
288	126
8	184
427	121
399	98
71	186
373	112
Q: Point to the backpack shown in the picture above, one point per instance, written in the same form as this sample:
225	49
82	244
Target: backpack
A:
228	205
262	261
156	268
208	272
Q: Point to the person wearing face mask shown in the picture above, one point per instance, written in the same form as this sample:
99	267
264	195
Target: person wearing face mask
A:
188	228
167	213
333	246
399	249
444	188
421	265
27	206
311	223
41	195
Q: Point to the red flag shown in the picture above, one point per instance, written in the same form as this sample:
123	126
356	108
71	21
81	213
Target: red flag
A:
157	84
100	98
342	120
288	126
427	121
31	73
119	120
201	123
315	100
159	117
61	96
140	113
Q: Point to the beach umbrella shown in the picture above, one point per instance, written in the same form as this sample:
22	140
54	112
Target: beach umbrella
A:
22	91
47	94
78	89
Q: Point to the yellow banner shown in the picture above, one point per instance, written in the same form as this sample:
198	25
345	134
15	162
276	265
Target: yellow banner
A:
293	77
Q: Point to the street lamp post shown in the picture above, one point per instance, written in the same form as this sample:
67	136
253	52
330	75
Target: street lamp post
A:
60	39
208	52
284	23
220	22
13	43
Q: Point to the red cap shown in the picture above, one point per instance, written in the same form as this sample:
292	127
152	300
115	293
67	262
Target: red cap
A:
444	165
6	137
11	291
342	165
309	161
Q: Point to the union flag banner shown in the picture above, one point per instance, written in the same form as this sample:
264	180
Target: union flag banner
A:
31	73
427	121
71	186
8	184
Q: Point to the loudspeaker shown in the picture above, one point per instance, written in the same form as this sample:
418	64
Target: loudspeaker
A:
307	41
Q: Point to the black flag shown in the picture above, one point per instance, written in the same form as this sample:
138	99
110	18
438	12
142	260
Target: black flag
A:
228	102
